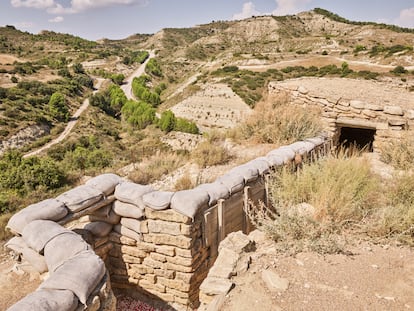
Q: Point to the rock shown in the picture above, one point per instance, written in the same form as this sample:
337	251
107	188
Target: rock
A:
394	110
303	90
237	242
396	122
224	265
410	114
216	286
357	104
257	236
274	282
373	107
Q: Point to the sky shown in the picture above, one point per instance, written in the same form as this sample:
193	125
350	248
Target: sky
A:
118	19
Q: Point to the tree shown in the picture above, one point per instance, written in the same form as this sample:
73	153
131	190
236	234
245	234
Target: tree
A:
78	68
117	78
58	107
167	121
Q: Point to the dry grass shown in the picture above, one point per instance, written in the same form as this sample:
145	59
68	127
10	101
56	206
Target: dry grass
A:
184	182
276	121
155	167
399	153
315	208
211	152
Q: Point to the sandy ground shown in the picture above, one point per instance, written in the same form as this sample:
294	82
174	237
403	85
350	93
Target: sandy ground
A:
374	277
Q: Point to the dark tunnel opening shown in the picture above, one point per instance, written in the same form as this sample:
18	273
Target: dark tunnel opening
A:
361	138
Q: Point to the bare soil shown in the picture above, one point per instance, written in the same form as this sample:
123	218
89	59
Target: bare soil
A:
374	277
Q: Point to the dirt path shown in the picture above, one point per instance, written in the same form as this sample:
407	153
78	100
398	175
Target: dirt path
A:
323	61
71	124
127	86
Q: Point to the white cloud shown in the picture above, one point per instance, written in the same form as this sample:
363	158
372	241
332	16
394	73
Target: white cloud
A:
248	11
285	7
57	19
36	4
25	25
406	18
77	6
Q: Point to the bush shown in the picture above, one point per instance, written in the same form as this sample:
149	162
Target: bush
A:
58	107
138	114
399	70
399	153
209	154
167	121
153	68
275	121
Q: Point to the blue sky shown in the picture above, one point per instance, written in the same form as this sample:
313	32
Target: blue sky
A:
117	19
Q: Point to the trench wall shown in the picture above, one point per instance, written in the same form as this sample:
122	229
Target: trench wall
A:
135	238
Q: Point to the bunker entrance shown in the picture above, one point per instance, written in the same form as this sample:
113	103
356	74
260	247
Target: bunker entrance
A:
360	138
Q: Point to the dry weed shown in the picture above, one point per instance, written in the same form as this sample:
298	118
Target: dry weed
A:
399	152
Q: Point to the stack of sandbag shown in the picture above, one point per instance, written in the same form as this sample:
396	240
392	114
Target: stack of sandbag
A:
129	206
75	271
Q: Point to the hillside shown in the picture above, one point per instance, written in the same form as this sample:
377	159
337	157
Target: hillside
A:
211	75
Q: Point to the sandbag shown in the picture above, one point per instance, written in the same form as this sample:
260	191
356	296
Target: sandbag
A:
157	200
275	160
37	261
216	191
63	247
105	183
128	210
99	229
261	164
234	182
127	232
112	218
47	300
79	198
248	172
189	202
302	147
49	209
133	224
103	211
80	274
317	141
285	152
132	193
39	232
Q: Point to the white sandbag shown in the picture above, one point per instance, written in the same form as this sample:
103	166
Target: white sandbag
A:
39	232
234	182
285	152
79	198
189	202
47	300
128	210
157	200
216	191
131	223
261	164
132	193
80	274
63	247
49	209
275	160
99	229
112	218
248	172
316	140
105	183
127	232
302	147
37	261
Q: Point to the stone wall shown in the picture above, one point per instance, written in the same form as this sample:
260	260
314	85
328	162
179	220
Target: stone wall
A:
156	243
388	119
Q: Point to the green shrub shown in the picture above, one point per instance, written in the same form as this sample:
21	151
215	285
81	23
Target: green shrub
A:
167	122
138	114
58	107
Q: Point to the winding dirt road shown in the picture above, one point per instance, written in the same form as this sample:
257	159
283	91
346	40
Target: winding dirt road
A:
127	88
